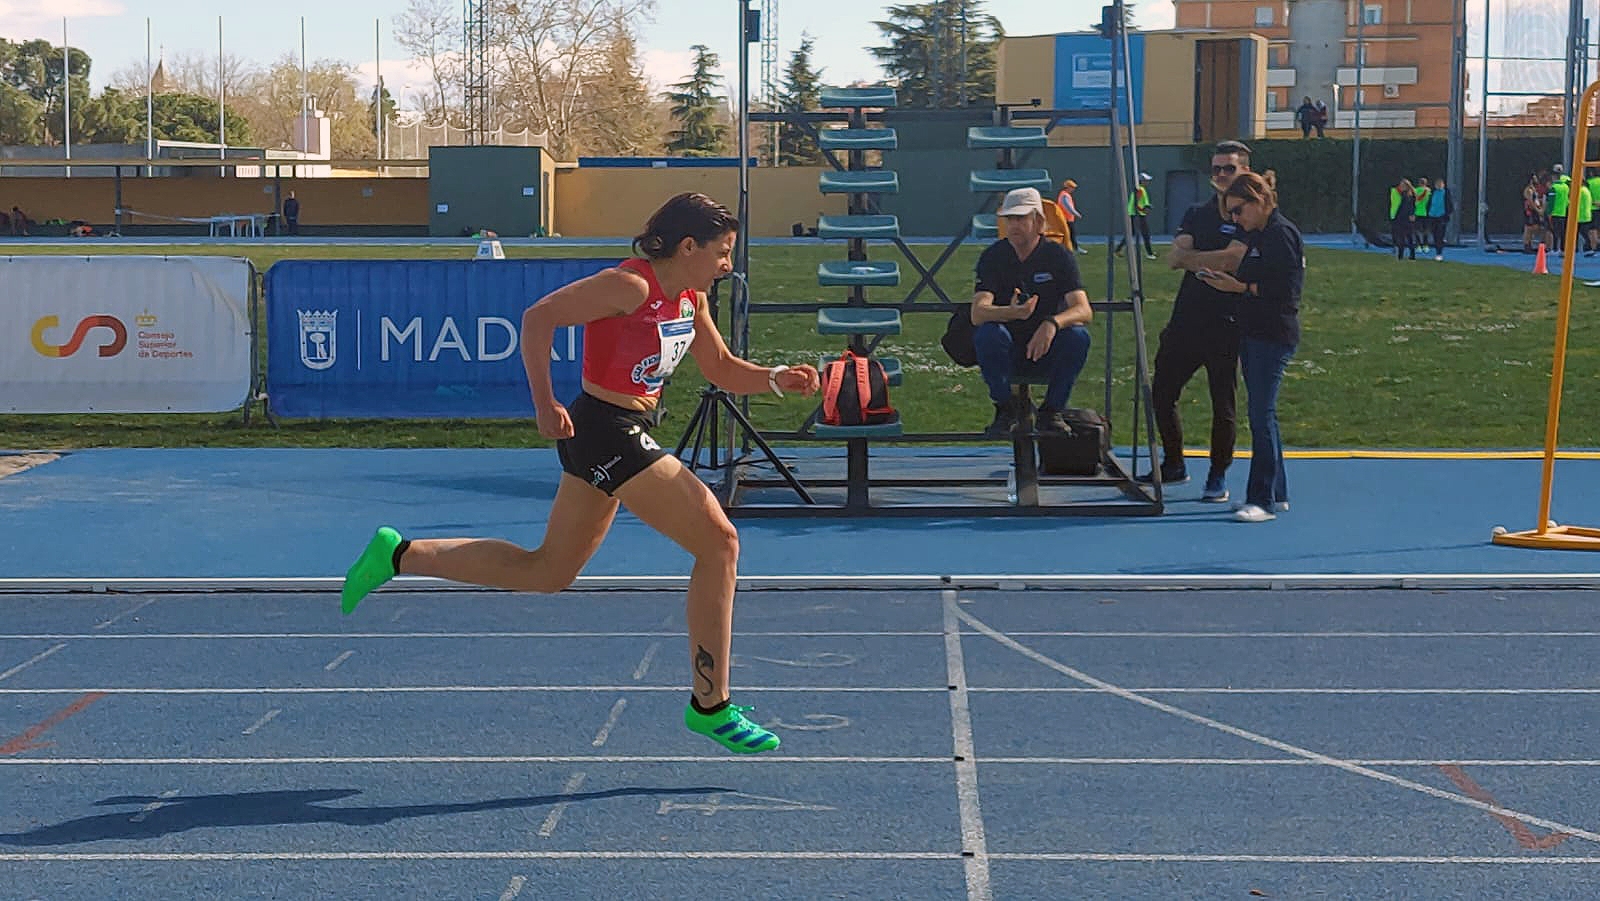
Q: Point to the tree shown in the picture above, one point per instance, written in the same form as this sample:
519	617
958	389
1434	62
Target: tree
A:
431	30
34	68
118	117
801	91
622	120
21	117
391	111
552	64
694	109
273	105
941	54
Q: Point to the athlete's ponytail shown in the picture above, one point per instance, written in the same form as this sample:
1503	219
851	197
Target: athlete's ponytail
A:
684	216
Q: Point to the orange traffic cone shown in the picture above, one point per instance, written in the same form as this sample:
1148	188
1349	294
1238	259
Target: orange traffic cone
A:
1538	262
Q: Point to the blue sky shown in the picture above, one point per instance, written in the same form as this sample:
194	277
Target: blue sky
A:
113	31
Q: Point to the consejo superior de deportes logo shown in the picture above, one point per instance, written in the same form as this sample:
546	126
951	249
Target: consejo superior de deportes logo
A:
118	337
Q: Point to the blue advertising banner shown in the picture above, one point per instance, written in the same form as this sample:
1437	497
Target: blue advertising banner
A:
412	338
1084	77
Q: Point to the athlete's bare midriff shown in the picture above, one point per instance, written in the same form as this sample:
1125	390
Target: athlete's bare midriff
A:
618	399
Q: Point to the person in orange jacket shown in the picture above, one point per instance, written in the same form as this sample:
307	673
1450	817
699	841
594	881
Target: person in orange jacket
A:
1069	211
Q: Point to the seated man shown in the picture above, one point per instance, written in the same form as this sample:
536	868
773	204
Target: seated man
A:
1029	311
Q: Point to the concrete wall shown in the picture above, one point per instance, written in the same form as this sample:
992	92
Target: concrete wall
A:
323	201
607	202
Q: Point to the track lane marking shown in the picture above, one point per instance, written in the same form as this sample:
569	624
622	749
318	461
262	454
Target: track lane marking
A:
974	845
30	661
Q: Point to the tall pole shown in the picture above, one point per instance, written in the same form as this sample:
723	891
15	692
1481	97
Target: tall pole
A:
1576	51
1126	74
149	102
377	92
1355	132
1458	63
222	100
739	297
1483	137
66	93
305	95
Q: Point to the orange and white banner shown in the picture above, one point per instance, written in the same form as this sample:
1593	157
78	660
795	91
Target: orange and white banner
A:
124	334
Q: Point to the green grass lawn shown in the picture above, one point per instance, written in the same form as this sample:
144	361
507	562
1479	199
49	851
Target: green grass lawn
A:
1395	355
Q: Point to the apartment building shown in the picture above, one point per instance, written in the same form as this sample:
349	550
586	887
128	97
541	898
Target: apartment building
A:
1404	46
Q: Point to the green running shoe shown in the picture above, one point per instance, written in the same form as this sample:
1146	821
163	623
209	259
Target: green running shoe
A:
730	728
374	567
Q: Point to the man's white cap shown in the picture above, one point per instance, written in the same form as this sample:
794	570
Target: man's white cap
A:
1021	202
1145	176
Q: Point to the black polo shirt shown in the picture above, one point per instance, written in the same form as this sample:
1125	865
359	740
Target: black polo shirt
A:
1199	304
1051	272
1276	263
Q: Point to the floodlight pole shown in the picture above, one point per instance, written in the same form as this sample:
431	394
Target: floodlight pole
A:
739	297
1355	134
1483	138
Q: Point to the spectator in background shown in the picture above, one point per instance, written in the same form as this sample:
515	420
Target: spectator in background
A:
1593	234
1556	203
1532	213
1069	211
1402	212
1306	115
1421	228
1321	120
1441	203
1139	217
291	213
19	223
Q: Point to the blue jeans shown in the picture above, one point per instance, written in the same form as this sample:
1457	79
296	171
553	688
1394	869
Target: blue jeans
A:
999	359
1263	363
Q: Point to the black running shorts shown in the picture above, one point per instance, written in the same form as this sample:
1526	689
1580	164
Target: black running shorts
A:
609	445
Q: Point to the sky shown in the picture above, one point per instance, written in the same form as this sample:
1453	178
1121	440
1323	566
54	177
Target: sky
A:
112	32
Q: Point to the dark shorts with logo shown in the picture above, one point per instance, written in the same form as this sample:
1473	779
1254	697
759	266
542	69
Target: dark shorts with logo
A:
609	445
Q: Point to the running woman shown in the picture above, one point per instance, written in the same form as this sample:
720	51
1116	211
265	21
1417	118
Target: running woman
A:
640	319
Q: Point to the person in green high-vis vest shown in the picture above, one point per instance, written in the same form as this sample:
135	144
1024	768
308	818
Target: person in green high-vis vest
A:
1139	216
1592	235
1421	228
1556	202
1582	206
1402	210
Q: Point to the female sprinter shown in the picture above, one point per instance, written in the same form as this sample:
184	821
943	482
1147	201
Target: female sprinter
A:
640	319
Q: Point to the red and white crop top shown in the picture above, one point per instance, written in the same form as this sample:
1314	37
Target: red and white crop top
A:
634	354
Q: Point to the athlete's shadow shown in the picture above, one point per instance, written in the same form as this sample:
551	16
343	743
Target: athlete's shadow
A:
180	813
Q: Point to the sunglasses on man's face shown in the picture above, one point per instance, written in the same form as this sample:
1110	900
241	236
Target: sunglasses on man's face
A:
1224	170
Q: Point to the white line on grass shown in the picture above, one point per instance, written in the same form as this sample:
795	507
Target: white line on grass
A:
610	723
974	846
573	783
30	662
1264	741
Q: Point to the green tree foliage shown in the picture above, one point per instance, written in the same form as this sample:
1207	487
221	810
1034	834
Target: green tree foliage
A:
118	117
33	69
21	117
694	100
801	91
940	54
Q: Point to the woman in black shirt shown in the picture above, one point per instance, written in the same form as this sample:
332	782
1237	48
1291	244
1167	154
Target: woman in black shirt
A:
1270	279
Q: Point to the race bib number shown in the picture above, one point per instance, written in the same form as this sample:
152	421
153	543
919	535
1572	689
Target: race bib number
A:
676	336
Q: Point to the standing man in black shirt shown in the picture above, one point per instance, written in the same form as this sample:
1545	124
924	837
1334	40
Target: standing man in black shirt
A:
291	213
1203	330
1029	310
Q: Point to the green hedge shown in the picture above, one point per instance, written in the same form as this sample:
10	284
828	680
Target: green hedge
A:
1314	177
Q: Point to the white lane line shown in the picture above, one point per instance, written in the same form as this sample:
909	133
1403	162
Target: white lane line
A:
573	783
126	613
1218	690
644	665
345	636
457	689
30	662
769	758
974	846
821	856
742	760
334	663
1276	745
513	888
611	723
265	719
153	806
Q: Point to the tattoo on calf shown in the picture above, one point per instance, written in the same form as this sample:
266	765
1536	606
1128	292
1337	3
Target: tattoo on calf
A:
704	666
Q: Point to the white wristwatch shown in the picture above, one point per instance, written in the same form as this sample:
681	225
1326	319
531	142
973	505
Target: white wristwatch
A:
772	379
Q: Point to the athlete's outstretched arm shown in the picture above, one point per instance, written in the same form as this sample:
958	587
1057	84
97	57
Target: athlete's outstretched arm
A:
728	372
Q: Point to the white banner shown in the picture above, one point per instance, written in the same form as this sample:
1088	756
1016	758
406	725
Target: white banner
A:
124	334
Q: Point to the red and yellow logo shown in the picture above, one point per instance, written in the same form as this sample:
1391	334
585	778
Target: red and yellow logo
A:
119	336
